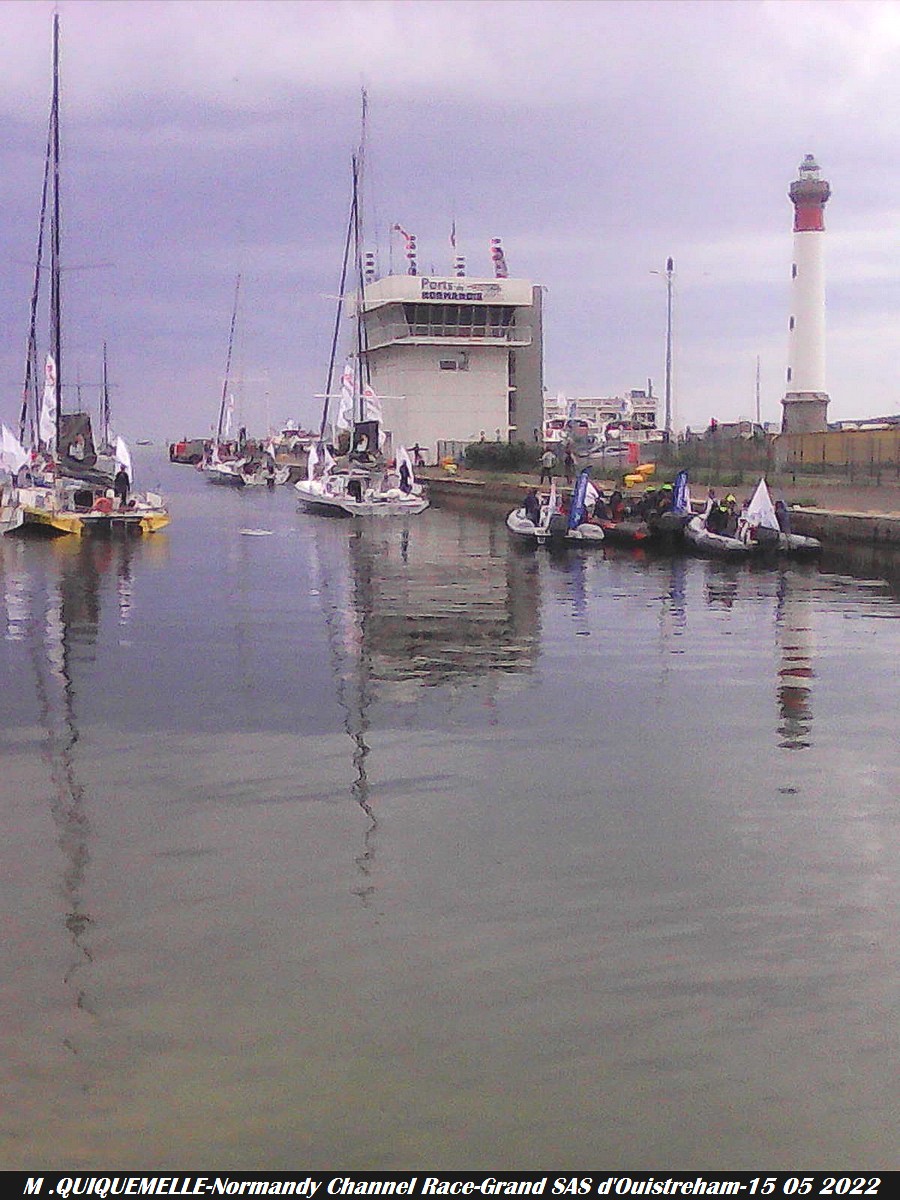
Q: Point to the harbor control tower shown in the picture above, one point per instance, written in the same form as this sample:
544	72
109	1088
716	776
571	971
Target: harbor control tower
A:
454	357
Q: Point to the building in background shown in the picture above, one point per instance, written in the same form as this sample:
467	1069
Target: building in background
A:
629	418
454	358
805	403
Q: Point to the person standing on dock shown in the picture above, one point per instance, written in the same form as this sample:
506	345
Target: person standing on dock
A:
569	464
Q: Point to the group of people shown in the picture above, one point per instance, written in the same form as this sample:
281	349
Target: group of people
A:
550	462
724	517
603	508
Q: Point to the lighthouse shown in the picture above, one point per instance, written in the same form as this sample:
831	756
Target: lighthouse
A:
805	399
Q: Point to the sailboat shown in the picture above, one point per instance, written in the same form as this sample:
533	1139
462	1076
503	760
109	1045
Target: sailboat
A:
63	488
242	469
364	485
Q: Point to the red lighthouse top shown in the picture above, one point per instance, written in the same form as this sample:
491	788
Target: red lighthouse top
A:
809	194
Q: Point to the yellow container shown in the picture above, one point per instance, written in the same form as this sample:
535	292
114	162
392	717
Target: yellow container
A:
631	480
646	469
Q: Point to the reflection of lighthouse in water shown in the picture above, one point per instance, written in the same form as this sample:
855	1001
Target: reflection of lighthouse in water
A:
795	671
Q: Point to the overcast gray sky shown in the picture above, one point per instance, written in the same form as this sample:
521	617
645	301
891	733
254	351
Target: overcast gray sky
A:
205	139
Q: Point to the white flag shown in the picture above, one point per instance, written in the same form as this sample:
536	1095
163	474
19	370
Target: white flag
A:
591	495
311	461
47	421
123	458
371	405
550	507
13	455
761	510
229	414
403	457
344	419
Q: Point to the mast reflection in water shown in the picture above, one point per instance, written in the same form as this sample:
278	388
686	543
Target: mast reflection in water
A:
400	619
53	607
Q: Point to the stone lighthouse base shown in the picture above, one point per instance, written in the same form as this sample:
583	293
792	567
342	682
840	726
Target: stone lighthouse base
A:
804	412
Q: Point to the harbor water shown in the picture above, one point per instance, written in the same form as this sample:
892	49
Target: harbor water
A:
393	846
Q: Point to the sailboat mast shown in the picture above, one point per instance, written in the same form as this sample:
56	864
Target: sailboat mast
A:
105	410
30	387
362	372
351	222
55	298
352	240
227	380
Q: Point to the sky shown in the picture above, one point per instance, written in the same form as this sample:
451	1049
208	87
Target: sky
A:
206	140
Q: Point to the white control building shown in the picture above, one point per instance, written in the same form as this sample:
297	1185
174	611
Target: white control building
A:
454	358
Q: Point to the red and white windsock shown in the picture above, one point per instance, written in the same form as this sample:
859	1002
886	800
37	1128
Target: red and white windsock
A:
805	399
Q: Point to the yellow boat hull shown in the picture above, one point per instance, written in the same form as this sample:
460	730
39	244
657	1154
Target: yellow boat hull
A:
74	525
51	521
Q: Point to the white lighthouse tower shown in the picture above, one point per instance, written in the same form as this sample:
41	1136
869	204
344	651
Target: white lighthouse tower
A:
805	399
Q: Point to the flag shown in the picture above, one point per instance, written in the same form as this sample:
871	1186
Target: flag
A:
453	235
551	506
344	418
372	410
229	414
591	495
13	455
403	457
123	457
761	511
47	422
681	498
311	462
577	511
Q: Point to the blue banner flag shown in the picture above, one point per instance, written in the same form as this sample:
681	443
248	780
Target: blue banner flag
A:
680	493
577	511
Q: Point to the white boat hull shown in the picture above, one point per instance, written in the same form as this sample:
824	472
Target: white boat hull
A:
697	535
330	496
541	535
706	542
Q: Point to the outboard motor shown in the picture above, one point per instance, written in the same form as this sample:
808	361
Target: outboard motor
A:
558	525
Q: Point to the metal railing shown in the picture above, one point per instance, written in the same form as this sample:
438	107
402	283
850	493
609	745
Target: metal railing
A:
401	331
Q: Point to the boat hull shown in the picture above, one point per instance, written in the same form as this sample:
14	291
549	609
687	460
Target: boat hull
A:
627	533
47	512
554	534
703	541
332	498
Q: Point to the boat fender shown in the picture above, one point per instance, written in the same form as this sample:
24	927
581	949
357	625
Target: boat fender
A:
103	505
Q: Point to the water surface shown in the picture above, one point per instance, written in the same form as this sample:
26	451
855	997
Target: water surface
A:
393	846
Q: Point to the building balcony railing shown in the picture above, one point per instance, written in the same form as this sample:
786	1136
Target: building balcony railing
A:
400	331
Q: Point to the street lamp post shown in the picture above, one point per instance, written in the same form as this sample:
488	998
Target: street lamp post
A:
670	267
669	272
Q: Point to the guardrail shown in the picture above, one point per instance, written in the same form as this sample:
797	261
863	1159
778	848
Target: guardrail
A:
401	331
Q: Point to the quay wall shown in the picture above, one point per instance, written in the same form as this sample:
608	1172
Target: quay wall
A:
878	529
